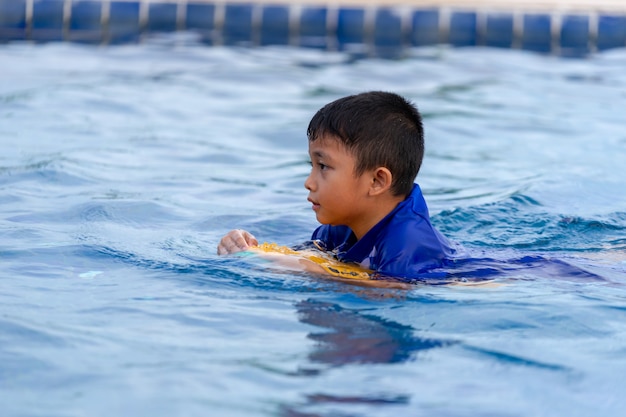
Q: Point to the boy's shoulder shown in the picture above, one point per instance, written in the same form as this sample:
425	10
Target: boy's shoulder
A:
415	202
408	224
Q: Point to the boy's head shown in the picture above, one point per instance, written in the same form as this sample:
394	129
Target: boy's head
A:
380	129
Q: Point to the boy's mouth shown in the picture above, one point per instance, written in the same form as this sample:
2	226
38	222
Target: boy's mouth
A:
316	205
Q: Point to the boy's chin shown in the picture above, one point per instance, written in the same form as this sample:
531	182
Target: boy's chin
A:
324	221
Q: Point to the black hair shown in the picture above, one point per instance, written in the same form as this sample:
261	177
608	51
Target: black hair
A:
381	129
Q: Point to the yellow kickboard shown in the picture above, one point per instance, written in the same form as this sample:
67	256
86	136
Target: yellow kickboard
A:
325	260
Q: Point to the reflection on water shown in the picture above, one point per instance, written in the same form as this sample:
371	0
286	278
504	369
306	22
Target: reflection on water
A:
359	338
352	337
329	400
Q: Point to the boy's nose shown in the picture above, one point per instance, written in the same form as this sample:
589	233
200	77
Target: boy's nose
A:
308	183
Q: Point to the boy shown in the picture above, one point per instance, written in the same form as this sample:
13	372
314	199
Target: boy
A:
366	151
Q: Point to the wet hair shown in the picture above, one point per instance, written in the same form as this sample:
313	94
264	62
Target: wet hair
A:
380	129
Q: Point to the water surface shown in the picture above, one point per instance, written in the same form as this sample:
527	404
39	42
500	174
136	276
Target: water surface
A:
121	167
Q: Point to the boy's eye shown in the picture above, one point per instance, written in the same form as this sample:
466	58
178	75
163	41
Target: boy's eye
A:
319	165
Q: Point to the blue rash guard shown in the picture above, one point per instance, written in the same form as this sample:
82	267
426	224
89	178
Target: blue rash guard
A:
402	245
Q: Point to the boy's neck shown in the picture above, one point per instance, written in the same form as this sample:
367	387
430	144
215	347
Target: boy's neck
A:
379	208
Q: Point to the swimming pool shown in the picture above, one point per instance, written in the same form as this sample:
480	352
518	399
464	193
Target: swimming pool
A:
123	166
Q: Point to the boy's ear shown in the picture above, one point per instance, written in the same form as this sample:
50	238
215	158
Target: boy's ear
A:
381	181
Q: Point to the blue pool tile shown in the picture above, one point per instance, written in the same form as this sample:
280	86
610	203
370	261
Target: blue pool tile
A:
574	34
123	22
12	14
388	28
350	27
313	30
200	18
162	17
537	33
499	30
86	15
611	32
86	22
48	14
47	21
462	30
275	25
425	27
237	24
12	19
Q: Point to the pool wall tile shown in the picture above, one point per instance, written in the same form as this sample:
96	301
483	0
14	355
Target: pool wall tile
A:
85	24
499	30
200	18
611	32
47	21
162	17
237	25
574	37
123	22
463	29
537	33
350	27
12	19
425	27
275	26
313	30
388	28
371	28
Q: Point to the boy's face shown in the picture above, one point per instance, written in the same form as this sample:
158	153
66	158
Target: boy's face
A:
337	195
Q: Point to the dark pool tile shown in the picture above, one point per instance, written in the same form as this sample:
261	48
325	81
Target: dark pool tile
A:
537	33
275	25
499	30
611	32
86	15
200	18
123	22
85	23
12	14
313	30
12	19
162	17
48	14
237	24
574	35
350	27
462	30
425	27
47	21
388	28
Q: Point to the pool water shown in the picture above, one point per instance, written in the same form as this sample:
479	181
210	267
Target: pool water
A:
121	168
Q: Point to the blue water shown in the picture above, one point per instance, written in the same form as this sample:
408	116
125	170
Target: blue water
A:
121	167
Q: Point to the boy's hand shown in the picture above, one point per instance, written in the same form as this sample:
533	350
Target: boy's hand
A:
236	241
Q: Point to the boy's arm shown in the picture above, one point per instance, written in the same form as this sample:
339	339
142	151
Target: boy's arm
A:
236	241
